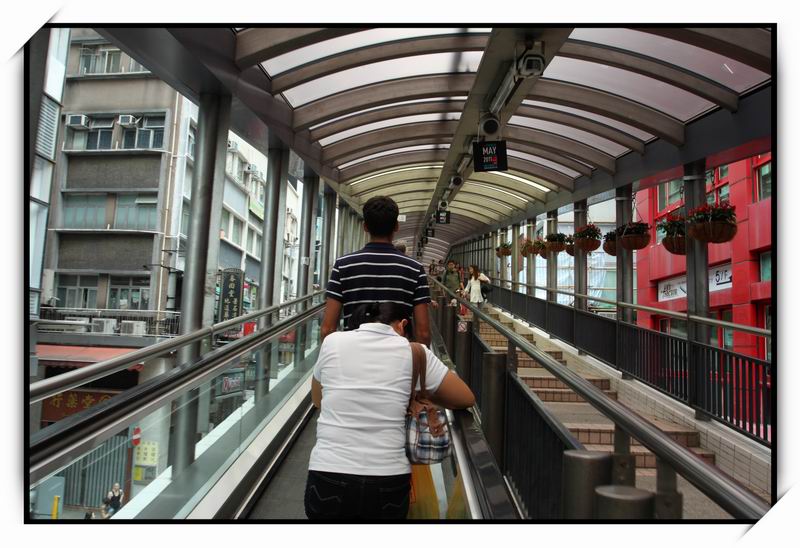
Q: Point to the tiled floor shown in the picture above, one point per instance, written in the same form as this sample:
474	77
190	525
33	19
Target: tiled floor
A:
283	497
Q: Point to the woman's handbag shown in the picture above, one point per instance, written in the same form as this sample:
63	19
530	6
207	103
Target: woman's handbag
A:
427	431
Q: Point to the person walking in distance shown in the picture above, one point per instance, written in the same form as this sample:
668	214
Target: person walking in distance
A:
378	273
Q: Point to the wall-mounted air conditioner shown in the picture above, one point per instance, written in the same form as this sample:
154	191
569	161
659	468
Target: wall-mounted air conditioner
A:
106	326
133	328
251	168
233	145
127	120
78	121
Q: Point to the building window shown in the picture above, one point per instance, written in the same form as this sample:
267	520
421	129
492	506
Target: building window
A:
238	226
129	293
253	243
99	136
190	143
150	135
185	212
768	326
100	60
136	66
709	179
766	266
723	171
225	224
669	193
85	211
136	212
76	291
764	181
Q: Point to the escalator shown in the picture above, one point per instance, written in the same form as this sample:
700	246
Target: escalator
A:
243	414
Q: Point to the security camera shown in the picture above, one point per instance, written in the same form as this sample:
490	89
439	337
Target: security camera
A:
443	204
531	64
489	125
455	181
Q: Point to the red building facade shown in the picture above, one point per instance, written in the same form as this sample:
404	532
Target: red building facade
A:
740	271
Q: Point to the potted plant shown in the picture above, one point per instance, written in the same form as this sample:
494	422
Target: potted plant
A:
634	235
505	249
674	228
570	245
539	247
556	242
587	237
712	223
610	242
526	246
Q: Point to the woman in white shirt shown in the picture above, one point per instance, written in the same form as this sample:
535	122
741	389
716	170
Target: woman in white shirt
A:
473	287
362	384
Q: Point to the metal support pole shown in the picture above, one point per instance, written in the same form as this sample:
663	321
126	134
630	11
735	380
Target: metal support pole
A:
463	350
623	502
201	265
449	328
530	274
515	257
493	396
581	275
582	472
552	258
624	256
624	470
668	501
326	260
304	266
340	229
694	189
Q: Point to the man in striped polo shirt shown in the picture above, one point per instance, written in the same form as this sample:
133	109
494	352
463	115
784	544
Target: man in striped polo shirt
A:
378	272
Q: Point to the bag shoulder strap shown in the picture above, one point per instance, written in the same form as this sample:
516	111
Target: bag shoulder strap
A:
419	360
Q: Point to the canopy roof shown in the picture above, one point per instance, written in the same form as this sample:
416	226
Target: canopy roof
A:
394	111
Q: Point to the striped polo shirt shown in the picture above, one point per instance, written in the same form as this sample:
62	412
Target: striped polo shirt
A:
378	272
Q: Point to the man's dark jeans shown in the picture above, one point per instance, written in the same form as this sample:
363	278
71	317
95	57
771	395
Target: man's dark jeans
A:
331	496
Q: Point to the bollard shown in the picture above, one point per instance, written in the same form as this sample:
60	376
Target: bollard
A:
448	329
582	473
624	469
463	351
623	502
54	509
493	396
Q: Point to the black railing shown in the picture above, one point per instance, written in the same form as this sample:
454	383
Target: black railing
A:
478	348
732	388
535	442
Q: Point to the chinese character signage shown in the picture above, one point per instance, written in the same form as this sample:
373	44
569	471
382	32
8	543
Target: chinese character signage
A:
231	293
442	217
68	403
489	156
146	454
719	278
430	233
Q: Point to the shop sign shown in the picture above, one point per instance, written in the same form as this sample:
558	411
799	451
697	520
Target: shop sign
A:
489	156
70	402
719	278
231	293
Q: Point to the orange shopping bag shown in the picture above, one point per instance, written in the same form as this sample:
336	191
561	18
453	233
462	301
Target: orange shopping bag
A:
423	502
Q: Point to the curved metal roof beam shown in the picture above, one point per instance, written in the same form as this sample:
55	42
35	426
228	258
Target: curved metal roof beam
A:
652	68
506	183
565	161
543	173
402	174
382	93
612	106
436	140
404	133
579	122
259	44
486	205
376	165
392	189
387	113
751	46
383	51
558	143
511	200
480	215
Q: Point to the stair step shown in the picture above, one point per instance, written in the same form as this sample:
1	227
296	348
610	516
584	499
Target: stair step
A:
564	395
645	458
553	382
526	361
604	434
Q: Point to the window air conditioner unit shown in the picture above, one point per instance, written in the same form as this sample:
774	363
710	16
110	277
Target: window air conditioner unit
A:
251	168
233	145
127	120
78	121
106	326
133	328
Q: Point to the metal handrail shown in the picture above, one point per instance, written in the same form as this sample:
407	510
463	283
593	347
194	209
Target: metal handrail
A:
679	315
57	445
45	388
731	496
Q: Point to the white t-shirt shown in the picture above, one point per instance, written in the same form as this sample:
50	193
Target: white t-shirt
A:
366	382
474	288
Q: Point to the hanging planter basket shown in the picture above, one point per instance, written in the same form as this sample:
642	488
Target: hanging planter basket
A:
587	244
555	247
505	251
610	247
497	253
675	244
543	253
714	232
570	249
634	241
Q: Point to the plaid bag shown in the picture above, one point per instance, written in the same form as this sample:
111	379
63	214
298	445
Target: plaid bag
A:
427	431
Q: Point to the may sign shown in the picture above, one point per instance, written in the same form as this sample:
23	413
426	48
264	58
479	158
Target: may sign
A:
489	156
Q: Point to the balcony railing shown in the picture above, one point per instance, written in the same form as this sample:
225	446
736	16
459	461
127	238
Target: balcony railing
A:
141	323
